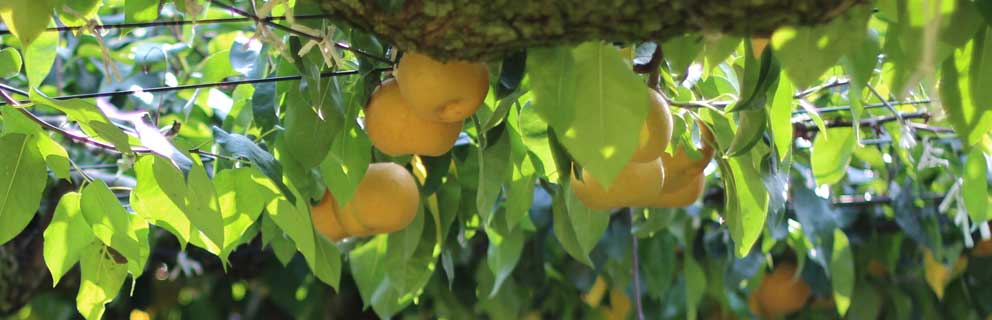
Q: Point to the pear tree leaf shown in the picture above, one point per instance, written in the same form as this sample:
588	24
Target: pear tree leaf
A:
22	182
974	187
243	147
110	223
55	155
842	272
241	200
27	19
10	62
140	10
577	228
76	12
93	122
505	247
368	266
39	55
807	52
160	196
345	166
494	166
66	237
780	118
831	154
101	278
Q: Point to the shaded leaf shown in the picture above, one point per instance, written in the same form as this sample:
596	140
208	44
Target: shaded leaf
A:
101	277
807	52
10	62
243	147
842	272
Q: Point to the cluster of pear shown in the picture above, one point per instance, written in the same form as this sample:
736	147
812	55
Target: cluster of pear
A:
385	201
652	178
421	110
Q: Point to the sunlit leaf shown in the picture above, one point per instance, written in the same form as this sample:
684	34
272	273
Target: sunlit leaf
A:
22	180
101	277
66	237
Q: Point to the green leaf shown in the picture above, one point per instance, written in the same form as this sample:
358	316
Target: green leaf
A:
658	261
522	176
77	12
55	155
695	285
281	245
751	127
577	228
10	62
402	246
716	51
202	207
974	186
39	56
66	237
807	52
831	154
243	147
860	65
26	19
680	51
140	10
101	277
345	166
241	198
494	167
842	272
109	222
760	78
327	263
505	247
93	122
22	182
869	302
368	266
780	118
160	196
308	135
971	122
610	104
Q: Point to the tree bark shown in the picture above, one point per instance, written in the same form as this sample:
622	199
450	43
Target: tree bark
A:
486	29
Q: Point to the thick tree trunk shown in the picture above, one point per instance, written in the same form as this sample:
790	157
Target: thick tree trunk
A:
486	29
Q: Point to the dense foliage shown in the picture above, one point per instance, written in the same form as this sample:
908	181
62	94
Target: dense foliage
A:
173	159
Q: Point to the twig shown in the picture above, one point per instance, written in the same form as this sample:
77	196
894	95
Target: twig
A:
828	85
886	103
651	68
872	121
204	85
870	200
290	30
635	268
14	90
867	106
175	23
82	138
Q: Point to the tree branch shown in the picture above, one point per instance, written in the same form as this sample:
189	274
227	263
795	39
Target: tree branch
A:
176	23
870	121
636	264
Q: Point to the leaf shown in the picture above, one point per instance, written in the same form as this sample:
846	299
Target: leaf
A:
716	51
93	122
860	65
160	196
202	207
345	166
140	10
368	267
505	247
577	227
77	12
611	102
511	73
680	51
842	272
243	55
10	63
750	128
806	52
553	76
402	245
327	263
760	77
521	179
974	186
101	277
66	237
241	199
155	140
39	56
109	222
26	19
695	285
243	147
780	118
22	182
831	154
658	261
55	155
494	167
818	219
309	134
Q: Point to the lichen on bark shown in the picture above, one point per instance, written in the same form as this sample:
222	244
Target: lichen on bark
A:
486	29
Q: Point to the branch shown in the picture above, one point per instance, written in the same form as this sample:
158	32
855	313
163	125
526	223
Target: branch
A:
175	23
867	106
871	121
636	263
290	30
204	85
870	200
828	85
82	138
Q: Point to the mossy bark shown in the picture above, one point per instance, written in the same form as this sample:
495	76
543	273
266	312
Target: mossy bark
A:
487	29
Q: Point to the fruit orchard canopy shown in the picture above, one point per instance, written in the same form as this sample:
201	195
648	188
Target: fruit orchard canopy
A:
484	29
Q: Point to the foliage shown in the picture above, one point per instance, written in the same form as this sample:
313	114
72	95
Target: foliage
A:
857	150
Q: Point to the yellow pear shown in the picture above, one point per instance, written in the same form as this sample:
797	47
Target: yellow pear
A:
385	201
636	184
679	193
395	130
324	216
656	131
680	165
780	293
438	91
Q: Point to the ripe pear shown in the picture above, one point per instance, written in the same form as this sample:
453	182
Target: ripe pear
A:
636	184
395	130
656	132
385	201
439	91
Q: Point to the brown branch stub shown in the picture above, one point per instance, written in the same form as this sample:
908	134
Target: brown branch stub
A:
484	30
